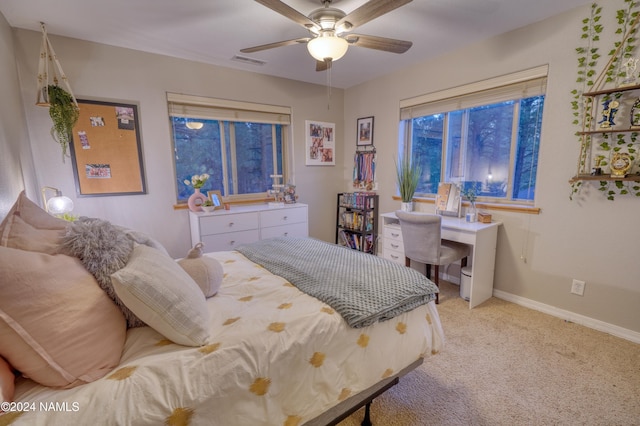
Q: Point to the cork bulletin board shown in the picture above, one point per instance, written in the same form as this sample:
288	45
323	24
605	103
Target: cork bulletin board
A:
106	151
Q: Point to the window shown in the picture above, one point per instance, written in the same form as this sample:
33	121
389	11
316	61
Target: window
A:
240	145
484	136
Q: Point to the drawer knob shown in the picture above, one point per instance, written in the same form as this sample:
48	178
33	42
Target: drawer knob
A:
394	256
231	224
395	246
232	242
395	235
285	218
286	234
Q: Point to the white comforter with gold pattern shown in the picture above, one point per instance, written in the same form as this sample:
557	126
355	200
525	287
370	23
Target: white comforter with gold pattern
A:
276	357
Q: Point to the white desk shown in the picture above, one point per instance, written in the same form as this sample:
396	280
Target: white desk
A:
482	237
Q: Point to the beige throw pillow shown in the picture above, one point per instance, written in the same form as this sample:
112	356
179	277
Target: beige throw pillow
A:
57	326
28	227
159	292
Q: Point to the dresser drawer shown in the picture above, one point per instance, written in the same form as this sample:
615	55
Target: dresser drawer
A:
285	216
392	232
228	223
394	256
393	245
294	230
229	240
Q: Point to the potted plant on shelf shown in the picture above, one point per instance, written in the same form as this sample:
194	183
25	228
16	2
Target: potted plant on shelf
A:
208	206
64	113
408	174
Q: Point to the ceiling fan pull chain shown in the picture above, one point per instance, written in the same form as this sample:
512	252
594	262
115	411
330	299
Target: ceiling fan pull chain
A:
329	63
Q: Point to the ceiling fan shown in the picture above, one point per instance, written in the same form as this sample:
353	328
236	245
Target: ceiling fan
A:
330	30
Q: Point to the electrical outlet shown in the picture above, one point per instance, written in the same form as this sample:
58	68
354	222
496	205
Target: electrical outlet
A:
577	287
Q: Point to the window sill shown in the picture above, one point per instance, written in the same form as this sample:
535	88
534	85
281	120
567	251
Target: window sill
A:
516	208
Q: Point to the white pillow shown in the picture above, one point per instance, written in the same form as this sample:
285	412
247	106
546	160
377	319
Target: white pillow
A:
159	292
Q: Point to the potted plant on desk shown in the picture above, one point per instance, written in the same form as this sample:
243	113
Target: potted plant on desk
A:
408	174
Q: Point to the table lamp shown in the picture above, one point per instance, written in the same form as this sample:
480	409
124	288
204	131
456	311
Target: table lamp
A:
58	204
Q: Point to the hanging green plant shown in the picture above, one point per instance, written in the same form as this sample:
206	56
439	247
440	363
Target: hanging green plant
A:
617	71
64	113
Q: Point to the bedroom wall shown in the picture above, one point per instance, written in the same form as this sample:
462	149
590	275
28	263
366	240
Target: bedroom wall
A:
15	153
104	72
590	239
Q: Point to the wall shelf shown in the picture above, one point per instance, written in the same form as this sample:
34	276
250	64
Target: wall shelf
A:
607	177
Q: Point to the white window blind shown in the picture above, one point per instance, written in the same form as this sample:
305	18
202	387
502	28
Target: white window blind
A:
226	110
523	84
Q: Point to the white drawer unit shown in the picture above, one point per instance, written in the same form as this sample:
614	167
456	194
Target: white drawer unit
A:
280	217
229	240
293	230
392	248
228	223
223	230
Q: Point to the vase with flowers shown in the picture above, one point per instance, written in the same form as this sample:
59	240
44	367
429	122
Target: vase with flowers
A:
471	195
196	199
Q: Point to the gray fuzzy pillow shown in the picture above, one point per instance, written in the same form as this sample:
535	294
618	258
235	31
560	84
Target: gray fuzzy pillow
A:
103	249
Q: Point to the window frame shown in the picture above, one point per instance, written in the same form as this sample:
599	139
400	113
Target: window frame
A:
529	83
224	110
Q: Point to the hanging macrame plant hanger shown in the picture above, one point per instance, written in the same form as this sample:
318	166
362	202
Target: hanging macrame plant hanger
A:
50	71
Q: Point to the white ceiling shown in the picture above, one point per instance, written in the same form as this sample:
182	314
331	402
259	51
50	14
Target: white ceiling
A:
213	31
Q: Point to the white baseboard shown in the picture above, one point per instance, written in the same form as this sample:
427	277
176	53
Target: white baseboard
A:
595	324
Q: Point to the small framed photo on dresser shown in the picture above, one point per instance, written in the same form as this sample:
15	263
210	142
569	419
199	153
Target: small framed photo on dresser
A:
365	131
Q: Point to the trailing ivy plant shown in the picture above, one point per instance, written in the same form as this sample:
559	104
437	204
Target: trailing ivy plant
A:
583	106
64	113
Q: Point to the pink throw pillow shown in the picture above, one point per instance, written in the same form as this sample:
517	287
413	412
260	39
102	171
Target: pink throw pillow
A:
57	326
7	381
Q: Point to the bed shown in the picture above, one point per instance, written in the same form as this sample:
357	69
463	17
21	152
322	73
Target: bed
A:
273	355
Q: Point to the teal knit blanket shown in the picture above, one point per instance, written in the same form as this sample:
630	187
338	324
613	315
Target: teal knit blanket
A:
361	287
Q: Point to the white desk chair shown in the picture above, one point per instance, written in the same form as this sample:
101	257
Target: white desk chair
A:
422	243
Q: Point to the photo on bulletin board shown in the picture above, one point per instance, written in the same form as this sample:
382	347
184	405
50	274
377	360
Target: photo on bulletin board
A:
106	150
320	143
365	131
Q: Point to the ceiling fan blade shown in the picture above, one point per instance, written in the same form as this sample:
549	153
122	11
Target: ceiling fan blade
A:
379	43
276	44
289	12
323	65
369	11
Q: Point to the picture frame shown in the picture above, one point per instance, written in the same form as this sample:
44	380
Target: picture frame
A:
290	194
106	150
364	131
215	197
320	143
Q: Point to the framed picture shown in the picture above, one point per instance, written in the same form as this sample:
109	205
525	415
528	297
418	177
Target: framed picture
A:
290	194
320	143
365	131
216	199
106	151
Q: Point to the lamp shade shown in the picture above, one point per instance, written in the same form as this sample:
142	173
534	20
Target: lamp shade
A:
59	205
329	46
194	125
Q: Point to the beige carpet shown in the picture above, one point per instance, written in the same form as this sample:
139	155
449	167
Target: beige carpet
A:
504	364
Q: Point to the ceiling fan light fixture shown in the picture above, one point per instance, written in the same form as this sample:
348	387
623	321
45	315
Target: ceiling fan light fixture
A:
194	125
327	46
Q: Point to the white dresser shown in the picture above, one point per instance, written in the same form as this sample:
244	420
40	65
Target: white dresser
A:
223	230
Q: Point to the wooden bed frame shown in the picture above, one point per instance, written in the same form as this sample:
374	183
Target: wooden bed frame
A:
349	406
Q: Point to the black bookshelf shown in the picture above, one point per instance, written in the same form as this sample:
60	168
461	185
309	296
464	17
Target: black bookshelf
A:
357	221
